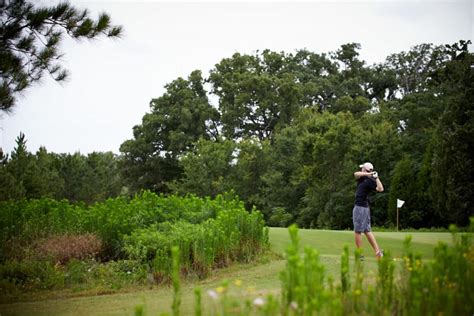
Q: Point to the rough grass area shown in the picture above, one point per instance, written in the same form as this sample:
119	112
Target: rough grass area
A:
254	279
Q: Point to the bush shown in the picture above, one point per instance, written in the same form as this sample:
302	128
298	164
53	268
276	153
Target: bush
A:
20	276
280	217
25	221
209	234
62	248
235	235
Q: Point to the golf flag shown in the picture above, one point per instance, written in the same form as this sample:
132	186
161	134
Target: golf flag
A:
400	203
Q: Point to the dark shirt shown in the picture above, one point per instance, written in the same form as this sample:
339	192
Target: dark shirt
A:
365	185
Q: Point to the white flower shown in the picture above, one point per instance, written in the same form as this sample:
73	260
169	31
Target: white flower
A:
213	294
258	302
294	305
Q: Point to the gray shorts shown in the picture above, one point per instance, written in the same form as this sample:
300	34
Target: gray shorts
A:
361	219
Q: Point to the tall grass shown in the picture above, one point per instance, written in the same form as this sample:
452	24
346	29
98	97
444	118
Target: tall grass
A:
234	235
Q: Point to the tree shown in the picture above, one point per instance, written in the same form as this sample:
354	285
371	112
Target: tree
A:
357	106
72	168
328	147
256	94
43	177
177	120
11	172
315	74
404	186
281	193
30	41
252	162
207	170
18	165
453	175
413	69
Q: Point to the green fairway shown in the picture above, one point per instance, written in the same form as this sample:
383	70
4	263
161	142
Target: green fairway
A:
257	279
331	242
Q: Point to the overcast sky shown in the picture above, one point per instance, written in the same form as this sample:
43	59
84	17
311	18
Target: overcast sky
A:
113	81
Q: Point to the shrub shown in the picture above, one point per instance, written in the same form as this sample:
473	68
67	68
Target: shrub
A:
18	276
235	235
25	221
62	248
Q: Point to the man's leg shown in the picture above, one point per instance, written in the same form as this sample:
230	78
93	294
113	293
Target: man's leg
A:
372	241
358	239
356	219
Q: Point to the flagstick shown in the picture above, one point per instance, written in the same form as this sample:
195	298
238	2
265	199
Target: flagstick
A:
397	218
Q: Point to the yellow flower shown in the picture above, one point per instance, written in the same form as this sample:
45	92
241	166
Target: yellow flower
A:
220	289
238	282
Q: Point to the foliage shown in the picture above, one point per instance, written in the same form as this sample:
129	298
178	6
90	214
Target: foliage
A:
30	42
65	239
20	277
234	235
177	120
257	94
453	175
206	168
403	186
75	177
286	132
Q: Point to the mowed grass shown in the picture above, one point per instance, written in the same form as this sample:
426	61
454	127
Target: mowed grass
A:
257	279
331	242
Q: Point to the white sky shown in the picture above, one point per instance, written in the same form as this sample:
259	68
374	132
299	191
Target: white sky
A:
113	81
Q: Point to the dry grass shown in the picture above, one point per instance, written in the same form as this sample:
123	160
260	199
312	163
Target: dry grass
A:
62	248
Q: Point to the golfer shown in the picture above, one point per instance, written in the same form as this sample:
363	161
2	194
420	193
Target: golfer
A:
367	181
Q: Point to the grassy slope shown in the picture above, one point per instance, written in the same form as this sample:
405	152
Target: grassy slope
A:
257	279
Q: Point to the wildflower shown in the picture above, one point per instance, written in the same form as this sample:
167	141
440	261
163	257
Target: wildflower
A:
294	306
238	282
357	292
213	294
220	289
258	302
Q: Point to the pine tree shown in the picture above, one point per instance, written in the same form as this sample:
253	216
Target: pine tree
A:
30	37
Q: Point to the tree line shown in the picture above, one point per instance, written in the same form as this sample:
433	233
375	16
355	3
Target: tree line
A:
285	132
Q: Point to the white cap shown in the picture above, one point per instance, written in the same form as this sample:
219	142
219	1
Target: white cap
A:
367	166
